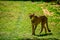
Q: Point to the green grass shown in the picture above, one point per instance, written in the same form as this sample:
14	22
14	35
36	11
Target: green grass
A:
15	22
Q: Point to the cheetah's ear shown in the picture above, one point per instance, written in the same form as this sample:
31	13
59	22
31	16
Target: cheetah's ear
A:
33	14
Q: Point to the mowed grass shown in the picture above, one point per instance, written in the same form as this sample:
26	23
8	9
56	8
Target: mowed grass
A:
15	23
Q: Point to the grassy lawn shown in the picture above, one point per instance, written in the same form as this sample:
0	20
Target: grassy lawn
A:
15	22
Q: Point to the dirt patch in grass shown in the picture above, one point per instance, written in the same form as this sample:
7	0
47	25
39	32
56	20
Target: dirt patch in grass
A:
46	12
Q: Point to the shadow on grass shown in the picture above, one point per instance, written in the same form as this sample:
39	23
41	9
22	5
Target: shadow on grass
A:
36	38
44	34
